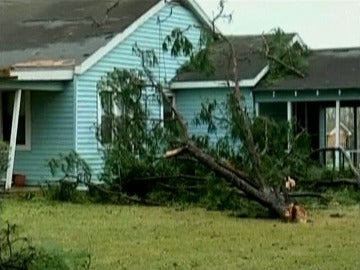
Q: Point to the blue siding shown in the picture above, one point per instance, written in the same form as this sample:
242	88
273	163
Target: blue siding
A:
189	101
52	132
148	36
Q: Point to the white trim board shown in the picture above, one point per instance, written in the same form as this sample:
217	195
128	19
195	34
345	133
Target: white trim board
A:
27	101
43	74
195	7
101	52
220	83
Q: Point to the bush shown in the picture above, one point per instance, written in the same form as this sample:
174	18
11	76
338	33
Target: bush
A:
70	167
4	157
64	191
71	171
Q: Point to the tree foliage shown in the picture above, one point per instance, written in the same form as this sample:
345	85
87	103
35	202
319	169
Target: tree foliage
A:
136	139
285	57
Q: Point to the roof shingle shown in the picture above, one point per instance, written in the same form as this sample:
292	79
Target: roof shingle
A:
62	29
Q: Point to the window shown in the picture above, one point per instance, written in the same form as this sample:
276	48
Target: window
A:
168	114
106	121
111	109
6	115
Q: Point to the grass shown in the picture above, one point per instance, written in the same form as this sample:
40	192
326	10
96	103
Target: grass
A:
133	237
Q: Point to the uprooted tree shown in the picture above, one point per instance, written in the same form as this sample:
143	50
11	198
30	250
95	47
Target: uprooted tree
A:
253	157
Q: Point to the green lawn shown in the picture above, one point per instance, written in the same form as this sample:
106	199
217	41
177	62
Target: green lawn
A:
132	237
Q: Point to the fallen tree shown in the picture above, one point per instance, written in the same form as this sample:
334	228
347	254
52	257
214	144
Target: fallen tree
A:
260	162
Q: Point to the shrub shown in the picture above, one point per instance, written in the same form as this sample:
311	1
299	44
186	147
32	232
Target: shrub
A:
71	171
63	191
70	167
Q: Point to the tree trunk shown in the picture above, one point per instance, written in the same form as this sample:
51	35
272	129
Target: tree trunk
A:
266	196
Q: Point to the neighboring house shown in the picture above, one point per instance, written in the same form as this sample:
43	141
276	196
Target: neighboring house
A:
53	53
332	81
345	136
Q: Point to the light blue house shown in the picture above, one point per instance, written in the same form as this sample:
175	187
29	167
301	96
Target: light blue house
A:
53	53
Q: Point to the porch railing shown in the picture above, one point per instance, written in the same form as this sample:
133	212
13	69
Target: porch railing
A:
337	158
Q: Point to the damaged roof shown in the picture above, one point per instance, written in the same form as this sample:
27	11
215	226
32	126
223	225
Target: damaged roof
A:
250	61
328	69
33	30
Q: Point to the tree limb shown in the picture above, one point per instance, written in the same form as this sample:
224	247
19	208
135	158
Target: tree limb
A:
266	140
124	196
167	177
160	89
279	61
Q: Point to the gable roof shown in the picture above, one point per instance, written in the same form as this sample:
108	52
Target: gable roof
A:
343	127
328	69
252	65
71	30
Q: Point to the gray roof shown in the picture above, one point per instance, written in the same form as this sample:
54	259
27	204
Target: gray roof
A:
250	60
62	29
328	69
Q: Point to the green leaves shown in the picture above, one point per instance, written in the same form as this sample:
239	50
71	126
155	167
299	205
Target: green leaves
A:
121	96
71	167
285	58
178	43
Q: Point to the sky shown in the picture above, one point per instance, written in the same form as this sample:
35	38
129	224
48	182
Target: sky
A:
320	23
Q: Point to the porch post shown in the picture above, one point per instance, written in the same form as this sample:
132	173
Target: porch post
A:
257	109
14	130
355	155
337	134
289	119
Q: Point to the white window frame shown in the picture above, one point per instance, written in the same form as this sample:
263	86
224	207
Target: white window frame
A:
27	104
115	111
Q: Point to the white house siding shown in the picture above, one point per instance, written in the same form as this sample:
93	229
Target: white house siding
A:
150	35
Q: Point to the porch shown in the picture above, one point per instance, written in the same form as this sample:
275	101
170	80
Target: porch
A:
37	122
331	118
